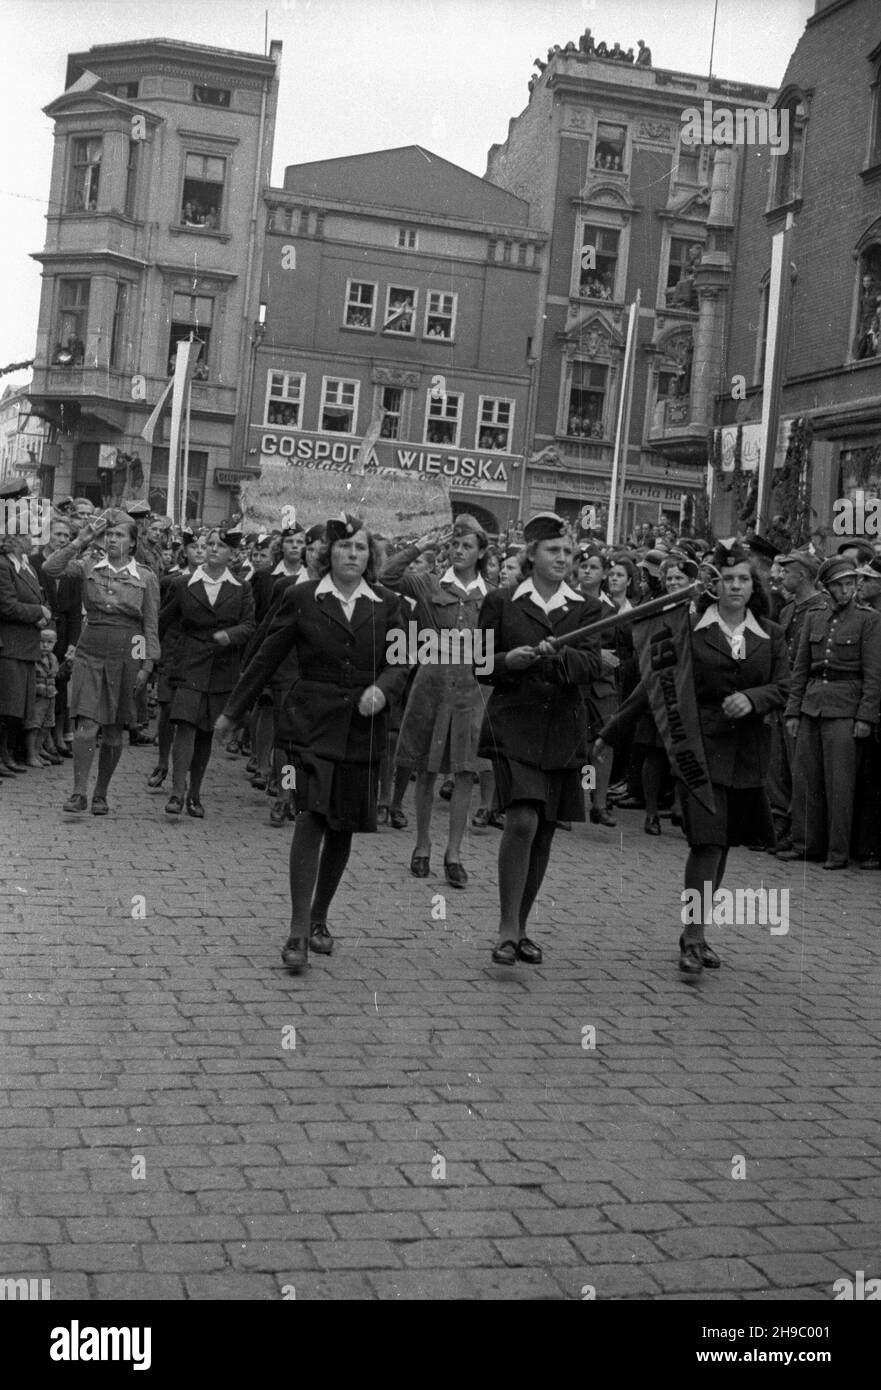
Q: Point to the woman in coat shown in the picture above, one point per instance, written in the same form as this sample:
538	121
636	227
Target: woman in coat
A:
535	726
212	615
118	647
440	728
340	627
191	554
741	673
22	615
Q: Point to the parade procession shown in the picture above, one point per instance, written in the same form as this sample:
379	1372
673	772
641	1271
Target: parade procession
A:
440	681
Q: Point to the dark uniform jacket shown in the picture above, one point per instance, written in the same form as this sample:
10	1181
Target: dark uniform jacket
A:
837	672
21	608
64	596
336	661
196	660
537	716
792	620
737	750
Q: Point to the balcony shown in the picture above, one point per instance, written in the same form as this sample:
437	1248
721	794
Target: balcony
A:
674	434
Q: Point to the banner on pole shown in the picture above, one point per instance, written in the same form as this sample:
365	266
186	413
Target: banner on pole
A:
188	350
663	646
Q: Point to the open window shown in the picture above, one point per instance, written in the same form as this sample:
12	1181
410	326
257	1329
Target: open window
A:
495	418
587	401
360	304
284	399
191	315
85	174
611	146
787	166
443	418
339	405
598	261
867	339
440	315
400	311
202	199
73	316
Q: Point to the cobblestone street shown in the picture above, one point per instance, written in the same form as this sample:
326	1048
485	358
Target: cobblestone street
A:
436	1126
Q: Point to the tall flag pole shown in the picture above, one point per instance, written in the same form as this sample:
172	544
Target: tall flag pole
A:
624	398
185	360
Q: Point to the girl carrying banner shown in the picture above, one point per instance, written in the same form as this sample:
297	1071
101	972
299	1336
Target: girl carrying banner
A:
741	673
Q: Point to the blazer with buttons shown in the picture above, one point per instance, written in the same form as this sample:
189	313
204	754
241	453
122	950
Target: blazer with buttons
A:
336	661
837	671
737	750
21	609
196	660
538	716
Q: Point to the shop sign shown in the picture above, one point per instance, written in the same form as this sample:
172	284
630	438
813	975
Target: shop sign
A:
485	472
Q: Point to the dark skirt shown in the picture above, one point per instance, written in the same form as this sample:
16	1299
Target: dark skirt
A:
18	689
102	684
345	794
196	707
559	792
742	817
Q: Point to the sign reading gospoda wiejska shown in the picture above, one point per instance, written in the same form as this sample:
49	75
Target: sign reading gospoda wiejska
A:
480	469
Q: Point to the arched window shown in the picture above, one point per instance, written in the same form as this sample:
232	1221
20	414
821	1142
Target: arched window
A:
867	335
791	115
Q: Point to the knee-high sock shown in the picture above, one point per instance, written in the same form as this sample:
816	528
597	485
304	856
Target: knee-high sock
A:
201	759
109	755
182	756
521	823
335	850
84	744
165	734
309	831
705	864
538	863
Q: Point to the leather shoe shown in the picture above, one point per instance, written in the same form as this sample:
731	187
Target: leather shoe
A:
277	814
419	865
480	819
600	816
652	825
99	806
63	751
195	808
528	952
75	803
708	956
396	819
691	957
294	953
836	864
505	953
6	771
497	820
320	939
174	805
456	875
14	766
258	782
157	777
790	854
628	803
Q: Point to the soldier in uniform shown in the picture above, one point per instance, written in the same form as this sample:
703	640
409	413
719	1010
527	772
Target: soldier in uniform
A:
799	585
833	705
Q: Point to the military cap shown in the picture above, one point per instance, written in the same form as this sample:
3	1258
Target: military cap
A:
316	533
341	528
835	568
759	546
728	553
12	489
137	509
545	526
806	558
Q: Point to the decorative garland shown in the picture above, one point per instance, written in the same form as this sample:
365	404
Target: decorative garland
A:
791	493
16	367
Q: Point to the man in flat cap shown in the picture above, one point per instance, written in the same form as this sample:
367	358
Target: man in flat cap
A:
833	706
799	586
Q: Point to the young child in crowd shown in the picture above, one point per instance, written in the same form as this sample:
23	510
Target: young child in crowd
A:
38	740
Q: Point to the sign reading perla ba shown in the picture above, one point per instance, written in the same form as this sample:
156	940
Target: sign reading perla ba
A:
490	472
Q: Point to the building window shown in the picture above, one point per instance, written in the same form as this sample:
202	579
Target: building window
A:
116	336
73	314
202	200
391	403
284	399
191	315
868	335
360	304
611	142
197	471
587	400
85	175
788	167
407	238
440	315
494	421
400	310
599	261
684	259
443	418
131	177
339	405
127	90
211	96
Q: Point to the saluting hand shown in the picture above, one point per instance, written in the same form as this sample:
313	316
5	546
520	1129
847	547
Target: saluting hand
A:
372	702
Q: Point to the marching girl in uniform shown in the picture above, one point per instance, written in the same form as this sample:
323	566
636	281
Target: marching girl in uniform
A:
741	673
340	627
535	722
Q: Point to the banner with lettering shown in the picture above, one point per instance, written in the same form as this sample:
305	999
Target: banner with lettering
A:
663	646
